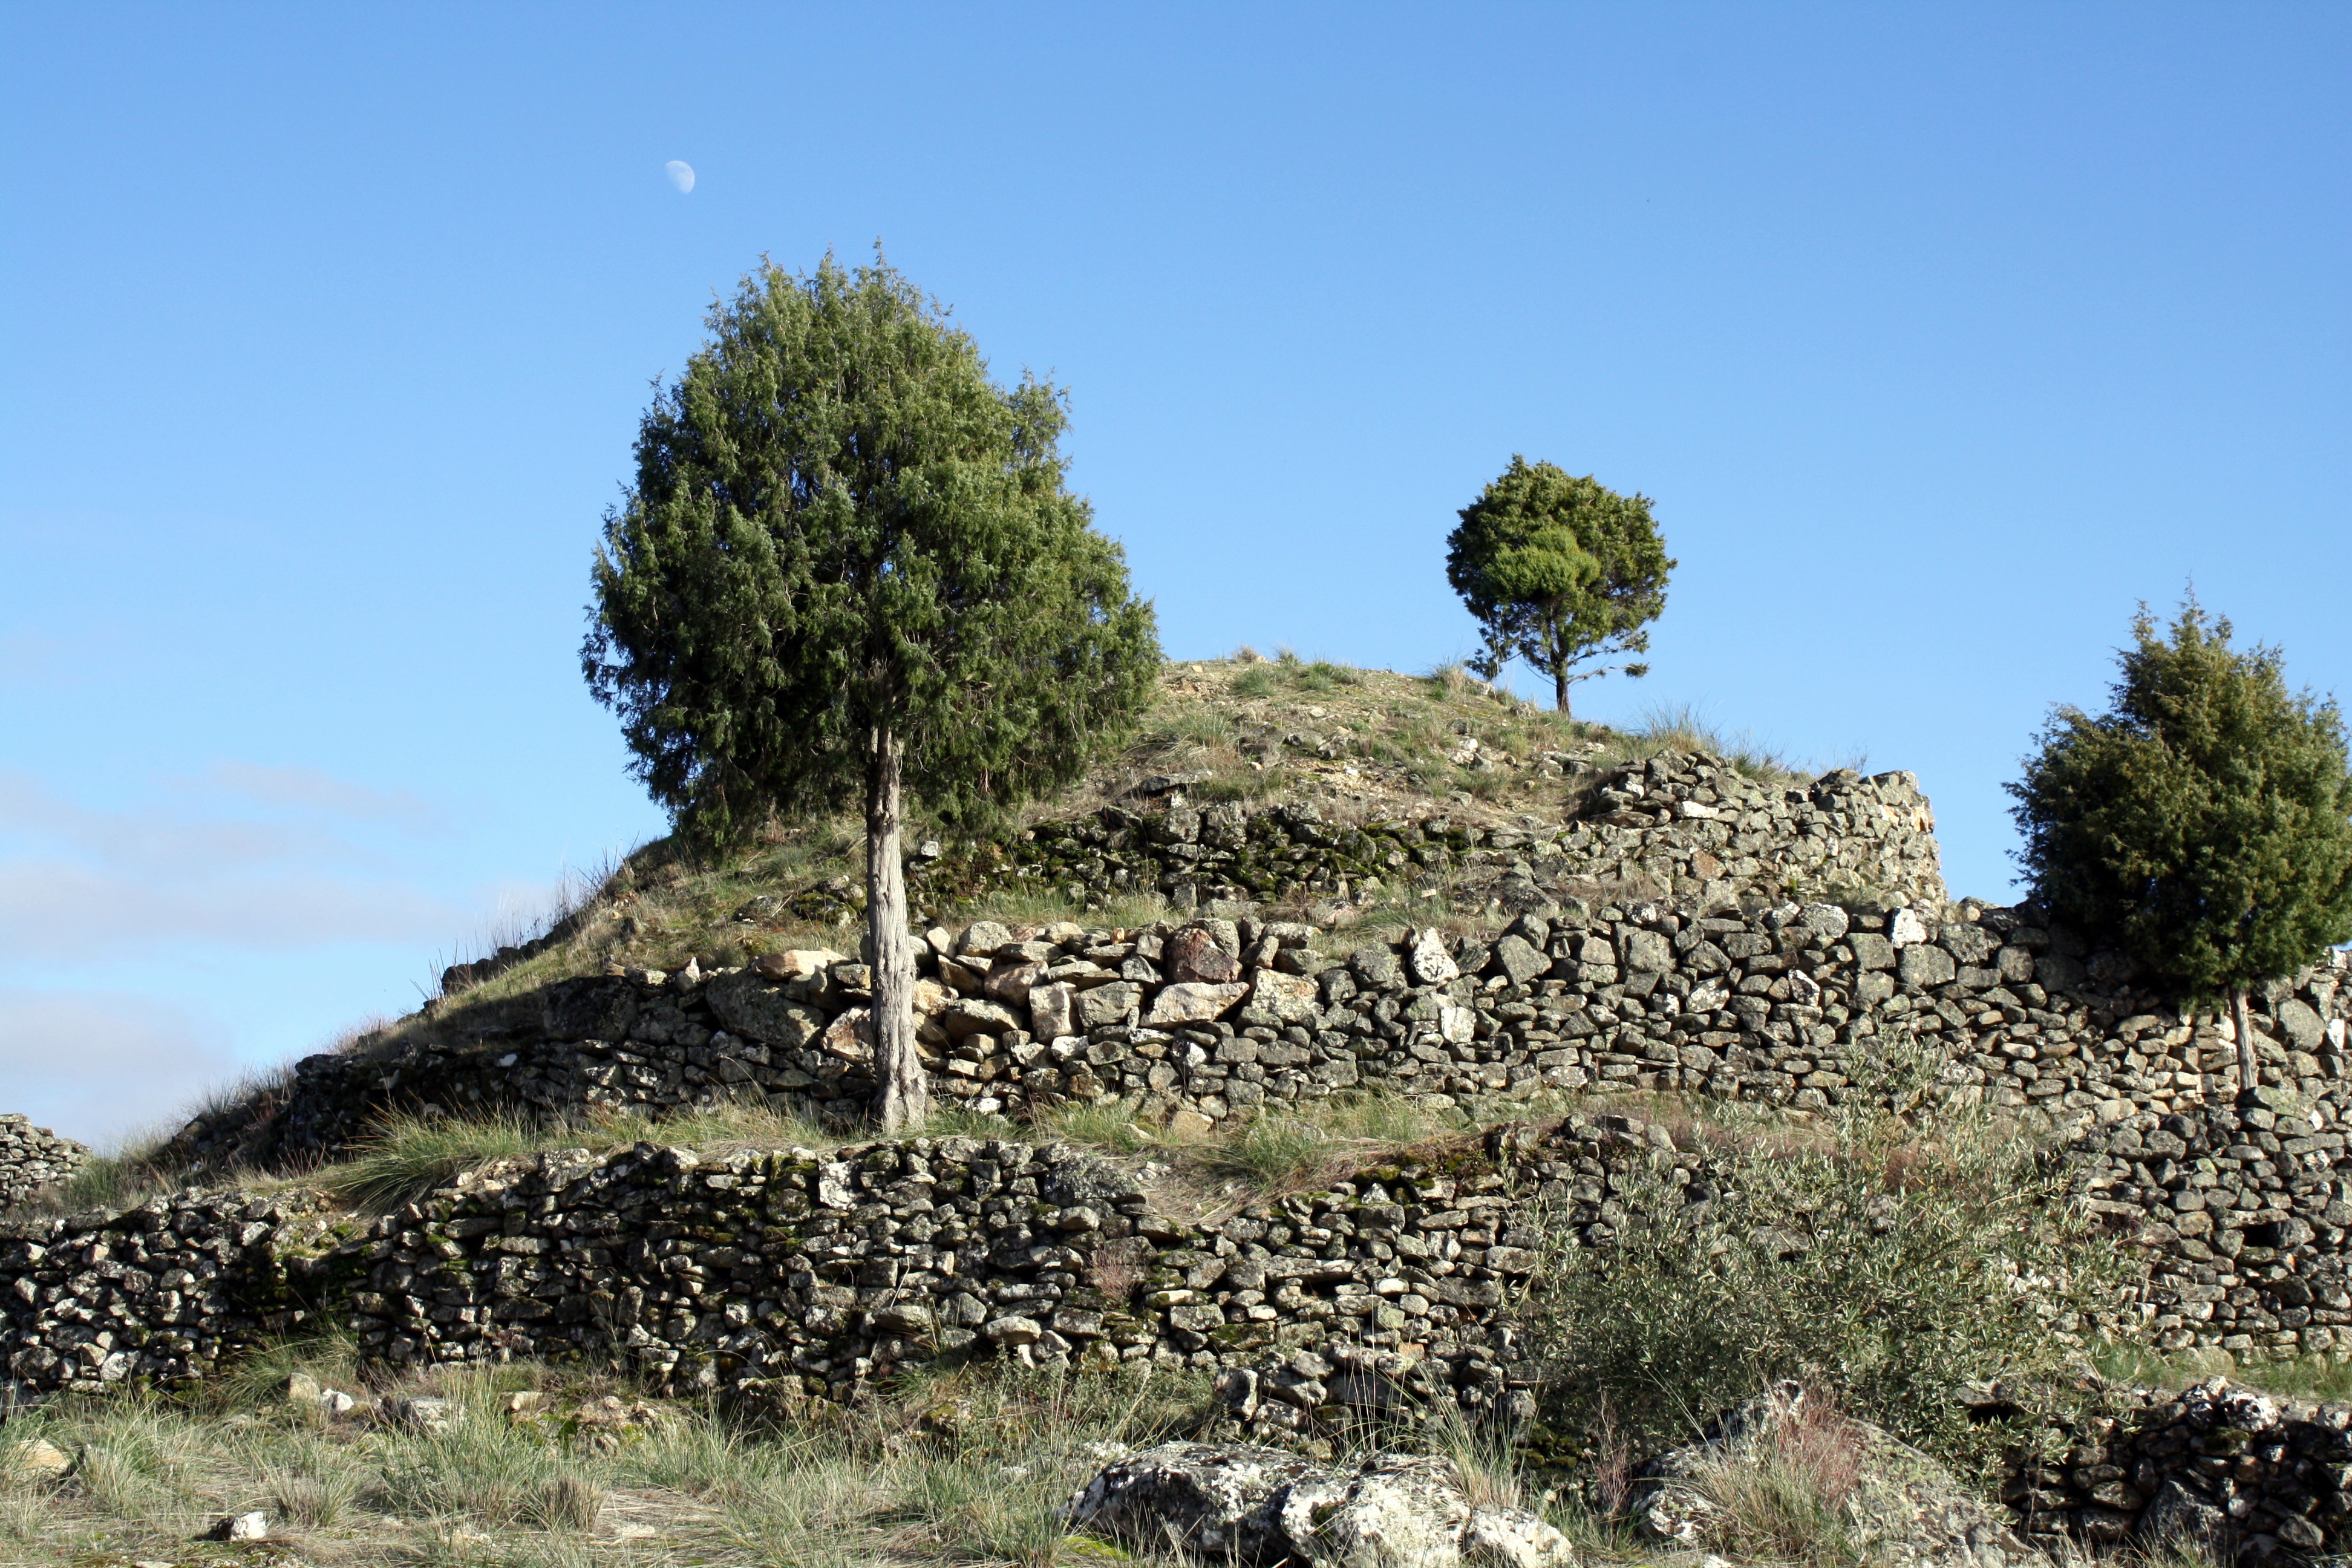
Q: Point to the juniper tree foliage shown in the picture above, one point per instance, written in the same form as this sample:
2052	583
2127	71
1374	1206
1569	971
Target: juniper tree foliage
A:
849	569
2203	824
1559	572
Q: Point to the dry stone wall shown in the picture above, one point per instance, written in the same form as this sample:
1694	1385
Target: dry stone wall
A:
778	1277
158	1295
2252	1473
1686	826
2245	1211
1215	1019
34	1160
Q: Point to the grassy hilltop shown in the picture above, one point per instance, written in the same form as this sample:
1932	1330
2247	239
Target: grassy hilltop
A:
1360	743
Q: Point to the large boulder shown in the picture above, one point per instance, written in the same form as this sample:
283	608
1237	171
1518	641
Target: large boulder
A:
1232	1503
747	1004
1192	1001
1892	1503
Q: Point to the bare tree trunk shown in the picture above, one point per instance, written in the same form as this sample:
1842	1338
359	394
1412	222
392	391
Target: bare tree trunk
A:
1555	648
2249	1075
906	1097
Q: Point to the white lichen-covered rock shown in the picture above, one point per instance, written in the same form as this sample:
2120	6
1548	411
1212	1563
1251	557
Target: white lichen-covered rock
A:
1397	1508
1237	1504
1210	1497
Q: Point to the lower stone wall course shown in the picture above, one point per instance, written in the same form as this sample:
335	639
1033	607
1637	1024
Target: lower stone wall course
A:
778	1277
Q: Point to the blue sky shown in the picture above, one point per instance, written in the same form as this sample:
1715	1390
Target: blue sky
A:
1940	337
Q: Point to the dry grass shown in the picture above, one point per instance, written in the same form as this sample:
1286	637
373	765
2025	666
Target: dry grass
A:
1785	1499
968	1468
1287	1148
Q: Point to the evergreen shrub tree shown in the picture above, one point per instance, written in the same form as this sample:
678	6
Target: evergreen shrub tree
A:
1558	572
849	571
2203	824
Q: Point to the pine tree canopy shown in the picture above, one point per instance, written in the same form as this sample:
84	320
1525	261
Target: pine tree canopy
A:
1559	572
2204	823
839	521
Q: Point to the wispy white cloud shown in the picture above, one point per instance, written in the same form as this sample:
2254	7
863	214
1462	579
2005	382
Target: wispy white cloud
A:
98	1065
177	840
309	789
245	858
59	911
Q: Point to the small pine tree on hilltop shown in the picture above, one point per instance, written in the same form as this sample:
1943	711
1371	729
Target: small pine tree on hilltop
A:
849	571
1558	572
2204	823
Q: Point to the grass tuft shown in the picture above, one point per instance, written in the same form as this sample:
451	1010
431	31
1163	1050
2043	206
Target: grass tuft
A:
405	1156
1785	1499
1666	728
1321	1140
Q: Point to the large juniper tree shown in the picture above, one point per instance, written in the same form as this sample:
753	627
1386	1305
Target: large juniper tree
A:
1559	572
850	572
2203	822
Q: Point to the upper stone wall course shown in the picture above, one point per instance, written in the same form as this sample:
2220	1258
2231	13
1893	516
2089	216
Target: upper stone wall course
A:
1683	826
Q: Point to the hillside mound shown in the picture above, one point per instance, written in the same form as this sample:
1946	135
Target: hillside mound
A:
1303	793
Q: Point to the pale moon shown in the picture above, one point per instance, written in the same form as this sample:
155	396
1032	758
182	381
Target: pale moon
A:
681	174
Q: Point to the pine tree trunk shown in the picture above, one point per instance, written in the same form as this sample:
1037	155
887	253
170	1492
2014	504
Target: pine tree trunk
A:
905	1097
1560	689
2249	1074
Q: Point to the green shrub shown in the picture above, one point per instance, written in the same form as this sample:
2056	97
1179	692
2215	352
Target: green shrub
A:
1882	1261
2203	824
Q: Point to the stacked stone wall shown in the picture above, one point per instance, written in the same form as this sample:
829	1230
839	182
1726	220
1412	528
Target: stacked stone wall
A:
160	1294
777	1276
1682	825
1215	1019
782	1275
33	1160
2254	1473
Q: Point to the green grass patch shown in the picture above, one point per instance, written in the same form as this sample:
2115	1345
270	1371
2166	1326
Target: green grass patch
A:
2318	1377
